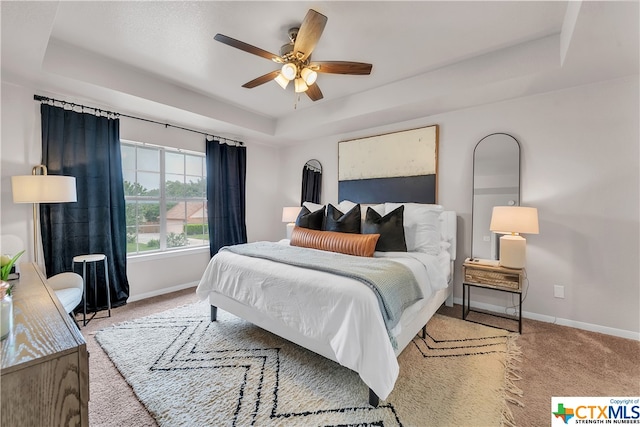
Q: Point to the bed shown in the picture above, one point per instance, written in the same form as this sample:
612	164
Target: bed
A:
332	315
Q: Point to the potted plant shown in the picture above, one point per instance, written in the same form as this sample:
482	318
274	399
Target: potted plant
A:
6	302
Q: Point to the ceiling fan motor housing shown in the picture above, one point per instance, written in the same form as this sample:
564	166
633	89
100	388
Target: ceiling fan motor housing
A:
293	34
286	51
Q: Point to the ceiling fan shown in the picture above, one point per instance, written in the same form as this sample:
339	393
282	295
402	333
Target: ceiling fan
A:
295	58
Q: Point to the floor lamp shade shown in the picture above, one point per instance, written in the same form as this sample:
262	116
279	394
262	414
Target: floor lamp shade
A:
43	189
511	221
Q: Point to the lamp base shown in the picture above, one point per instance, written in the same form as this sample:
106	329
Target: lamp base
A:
290	229
513	249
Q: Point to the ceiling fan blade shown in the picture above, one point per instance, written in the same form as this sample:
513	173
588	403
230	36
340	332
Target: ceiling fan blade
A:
247	47
314	92
342	67
309	34
261	80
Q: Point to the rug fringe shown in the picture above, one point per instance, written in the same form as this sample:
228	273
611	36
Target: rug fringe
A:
511	391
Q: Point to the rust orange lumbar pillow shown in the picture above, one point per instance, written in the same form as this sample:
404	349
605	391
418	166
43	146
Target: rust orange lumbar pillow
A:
345	243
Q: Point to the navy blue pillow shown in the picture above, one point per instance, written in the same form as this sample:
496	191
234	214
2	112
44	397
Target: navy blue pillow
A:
311	220
343	223
389	227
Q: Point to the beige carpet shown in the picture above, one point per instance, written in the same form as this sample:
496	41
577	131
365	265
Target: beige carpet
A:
189	371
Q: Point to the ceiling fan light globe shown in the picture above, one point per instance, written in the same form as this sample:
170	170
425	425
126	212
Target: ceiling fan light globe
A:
282	81
309	76
289	71
301	86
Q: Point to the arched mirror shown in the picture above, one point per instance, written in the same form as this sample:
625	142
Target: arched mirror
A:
311	182
496	182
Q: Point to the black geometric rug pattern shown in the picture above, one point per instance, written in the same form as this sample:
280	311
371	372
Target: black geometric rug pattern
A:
230	372
429	346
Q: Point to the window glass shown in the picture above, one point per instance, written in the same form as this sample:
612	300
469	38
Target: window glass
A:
174	163
128	155
165	198
148	184
175	187
196	187
148	159
194	165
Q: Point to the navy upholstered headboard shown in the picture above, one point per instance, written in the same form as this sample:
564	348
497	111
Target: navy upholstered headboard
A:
395	167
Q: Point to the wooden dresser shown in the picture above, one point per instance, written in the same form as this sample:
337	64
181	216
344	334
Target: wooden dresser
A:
45	365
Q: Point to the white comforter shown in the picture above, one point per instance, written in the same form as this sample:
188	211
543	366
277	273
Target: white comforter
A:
334	310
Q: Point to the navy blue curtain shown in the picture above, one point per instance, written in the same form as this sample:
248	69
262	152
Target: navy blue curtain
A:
311	183
226	182
88	147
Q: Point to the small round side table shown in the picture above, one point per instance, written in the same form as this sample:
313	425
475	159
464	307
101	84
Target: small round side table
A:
94	259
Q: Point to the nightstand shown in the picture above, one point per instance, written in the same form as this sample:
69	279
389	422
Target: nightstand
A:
475	275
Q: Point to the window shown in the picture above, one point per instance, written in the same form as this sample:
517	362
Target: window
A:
165	195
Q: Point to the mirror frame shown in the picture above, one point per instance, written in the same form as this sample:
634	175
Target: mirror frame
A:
316	166
473	181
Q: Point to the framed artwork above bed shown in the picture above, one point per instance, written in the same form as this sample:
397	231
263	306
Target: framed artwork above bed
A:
394	167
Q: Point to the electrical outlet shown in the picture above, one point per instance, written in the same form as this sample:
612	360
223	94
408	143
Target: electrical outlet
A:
558	291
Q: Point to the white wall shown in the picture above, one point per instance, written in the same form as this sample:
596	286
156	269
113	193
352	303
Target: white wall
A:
580	162
19	152
148	274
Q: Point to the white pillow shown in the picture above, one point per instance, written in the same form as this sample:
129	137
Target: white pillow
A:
312	206
421	226
345	206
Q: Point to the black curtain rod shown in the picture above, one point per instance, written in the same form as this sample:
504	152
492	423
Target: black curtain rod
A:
41	98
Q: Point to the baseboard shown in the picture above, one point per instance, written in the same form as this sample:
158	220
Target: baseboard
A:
162	291
560	321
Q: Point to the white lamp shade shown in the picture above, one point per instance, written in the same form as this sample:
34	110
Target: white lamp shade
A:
514	219
282	81
289	71
301	86
290	213
43	189
309	76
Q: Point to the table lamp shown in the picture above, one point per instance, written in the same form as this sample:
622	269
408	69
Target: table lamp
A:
289	215
511	221
42	188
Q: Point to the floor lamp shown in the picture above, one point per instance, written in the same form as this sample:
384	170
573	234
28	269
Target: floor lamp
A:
42	188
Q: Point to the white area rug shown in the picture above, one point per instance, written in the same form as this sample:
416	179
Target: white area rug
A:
189	371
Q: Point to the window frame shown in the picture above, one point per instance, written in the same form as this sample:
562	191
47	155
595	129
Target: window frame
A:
162	199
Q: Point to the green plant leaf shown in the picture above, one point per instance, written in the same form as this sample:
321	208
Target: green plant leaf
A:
4	272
